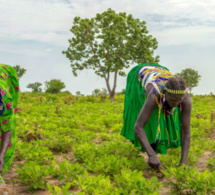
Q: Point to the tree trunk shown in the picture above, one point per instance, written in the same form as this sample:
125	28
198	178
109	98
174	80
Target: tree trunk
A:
111	92
112	96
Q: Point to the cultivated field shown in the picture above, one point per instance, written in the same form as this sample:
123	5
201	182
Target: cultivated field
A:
70	145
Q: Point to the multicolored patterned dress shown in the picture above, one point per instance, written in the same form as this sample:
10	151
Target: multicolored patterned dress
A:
162	131
9	91
155	75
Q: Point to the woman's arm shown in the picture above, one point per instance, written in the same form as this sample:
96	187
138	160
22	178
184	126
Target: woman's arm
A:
141	121
185	128
6	138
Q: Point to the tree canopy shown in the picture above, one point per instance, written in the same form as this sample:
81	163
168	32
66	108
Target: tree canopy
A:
191	77
108	43
36	87
54	86
97	92
20	71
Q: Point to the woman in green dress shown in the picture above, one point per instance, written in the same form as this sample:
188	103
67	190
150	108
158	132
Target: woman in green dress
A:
157	112
9	91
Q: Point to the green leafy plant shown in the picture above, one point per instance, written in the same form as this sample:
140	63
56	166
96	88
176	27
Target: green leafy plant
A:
94	184
34	151
133	182
82	151
107	164
33	175
211	164
52	169
56	190
61	143
69	172
190	181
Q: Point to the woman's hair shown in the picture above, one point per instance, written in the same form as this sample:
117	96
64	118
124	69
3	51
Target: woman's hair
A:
176	83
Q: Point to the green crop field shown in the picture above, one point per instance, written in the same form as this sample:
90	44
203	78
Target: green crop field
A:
70	145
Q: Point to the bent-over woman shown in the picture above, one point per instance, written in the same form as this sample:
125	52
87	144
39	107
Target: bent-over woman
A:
157	112
9	90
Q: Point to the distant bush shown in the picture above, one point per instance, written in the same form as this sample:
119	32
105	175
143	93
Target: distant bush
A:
54	86
36	87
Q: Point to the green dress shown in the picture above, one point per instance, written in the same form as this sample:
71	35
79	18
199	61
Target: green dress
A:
168	126
9	89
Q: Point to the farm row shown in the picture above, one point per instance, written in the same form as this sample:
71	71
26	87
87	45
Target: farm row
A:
70	145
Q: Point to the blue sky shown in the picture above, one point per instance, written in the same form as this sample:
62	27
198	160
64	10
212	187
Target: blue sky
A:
34	33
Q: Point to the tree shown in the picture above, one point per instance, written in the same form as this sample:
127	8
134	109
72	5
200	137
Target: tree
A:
122	92
54	86
109	43
97	92
36	87
104	91
20	71
191	77
78	93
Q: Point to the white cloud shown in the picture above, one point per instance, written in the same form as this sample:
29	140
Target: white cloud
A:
187	35
50	21
34	32
35	20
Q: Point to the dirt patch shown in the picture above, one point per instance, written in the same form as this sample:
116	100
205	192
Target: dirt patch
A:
203	161
6	190
97	141
165	190
14	185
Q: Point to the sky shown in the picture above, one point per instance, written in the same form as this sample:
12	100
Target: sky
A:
34	34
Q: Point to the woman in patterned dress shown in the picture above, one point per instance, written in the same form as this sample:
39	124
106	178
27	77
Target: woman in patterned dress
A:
9	91
157	112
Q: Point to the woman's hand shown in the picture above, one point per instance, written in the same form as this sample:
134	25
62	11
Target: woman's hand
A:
1	163
154	162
